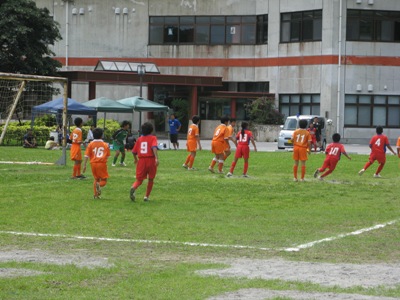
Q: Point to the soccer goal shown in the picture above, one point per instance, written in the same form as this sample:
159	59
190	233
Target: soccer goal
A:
19	93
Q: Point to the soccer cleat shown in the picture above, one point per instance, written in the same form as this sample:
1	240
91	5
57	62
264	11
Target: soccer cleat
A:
96	197
295	179
123	164
377	176
220	172
316	173
320	178
98	189
191	169
211	169
302	180
245	175
146	199
113	165
185	166
361	172
229	174
81	177
74	177
132	194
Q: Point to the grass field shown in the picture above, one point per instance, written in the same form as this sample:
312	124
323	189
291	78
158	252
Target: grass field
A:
193	220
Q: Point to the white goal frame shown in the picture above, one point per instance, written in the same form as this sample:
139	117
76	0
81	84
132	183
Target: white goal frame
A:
24	78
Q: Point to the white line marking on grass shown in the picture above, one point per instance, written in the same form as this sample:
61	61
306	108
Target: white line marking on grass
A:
134	241
25	163
357	232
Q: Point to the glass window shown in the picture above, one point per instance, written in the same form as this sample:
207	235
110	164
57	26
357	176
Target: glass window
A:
365	99
394	117
350	115
217	36
202	34
301	26
394	100
379	116
364	116
304	104
156	34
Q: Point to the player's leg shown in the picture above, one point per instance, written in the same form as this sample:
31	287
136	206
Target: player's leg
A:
191	159
122	150
115	157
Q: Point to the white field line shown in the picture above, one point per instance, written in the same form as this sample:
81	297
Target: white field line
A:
25	163
340	236
291	249
133	240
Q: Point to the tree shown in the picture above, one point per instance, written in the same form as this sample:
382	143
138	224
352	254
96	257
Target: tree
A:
263	111
26	32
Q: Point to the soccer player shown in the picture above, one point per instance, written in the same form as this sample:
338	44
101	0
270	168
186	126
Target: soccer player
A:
146	160
193	140
218	145
398	146
378	145
333	153
244	137
174	127
301	148
75	153
313	132
230	127
98	152
119	138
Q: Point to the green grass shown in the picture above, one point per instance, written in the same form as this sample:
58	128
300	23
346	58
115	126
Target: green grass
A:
268	210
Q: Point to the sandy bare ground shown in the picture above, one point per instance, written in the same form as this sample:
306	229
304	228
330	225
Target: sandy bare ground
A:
324	274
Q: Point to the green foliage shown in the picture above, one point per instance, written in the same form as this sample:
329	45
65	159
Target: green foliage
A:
26	32
263	111
181	111
46	120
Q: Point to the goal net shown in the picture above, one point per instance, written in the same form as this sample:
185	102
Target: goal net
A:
19	93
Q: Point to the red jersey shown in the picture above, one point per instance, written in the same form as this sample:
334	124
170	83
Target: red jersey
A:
144	146
98	151
378	144
334	150
244	140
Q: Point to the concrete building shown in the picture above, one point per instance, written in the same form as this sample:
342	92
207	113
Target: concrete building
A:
336	58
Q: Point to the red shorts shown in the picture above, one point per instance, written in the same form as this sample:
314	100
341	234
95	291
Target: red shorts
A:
381	158
99	170
329	164
146	168
300	153
242	151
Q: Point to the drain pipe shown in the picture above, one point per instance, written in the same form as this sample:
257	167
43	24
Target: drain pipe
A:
339	69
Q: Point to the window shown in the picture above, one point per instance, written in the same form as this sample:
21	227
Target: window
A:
301	26
291	105
373	25
372	110
209	30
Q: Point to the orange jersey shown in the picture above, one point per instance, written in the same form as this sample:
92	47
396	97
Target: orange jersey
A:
301	138
221	133
76	137
97	151
192	136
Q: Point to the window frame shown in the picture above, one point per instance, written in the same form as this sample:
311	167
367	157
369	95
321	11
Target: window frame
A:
293	26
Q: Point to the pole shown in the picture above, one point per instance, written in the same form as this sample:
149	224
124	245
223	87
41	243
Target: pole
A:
339	70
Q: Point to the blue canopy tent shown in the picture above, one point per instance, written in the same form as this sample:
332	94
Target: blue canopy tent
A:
56	107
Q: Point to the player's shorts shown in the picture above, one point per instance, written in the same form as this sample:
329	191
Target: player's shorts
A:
329	164
99	170
191	146
242	151
380	158
119	146
300	153
146	168
218	147
173	137
76	153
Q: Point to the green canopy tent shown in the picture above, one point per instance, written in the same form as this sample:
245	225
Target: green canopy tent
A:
141	104
106	105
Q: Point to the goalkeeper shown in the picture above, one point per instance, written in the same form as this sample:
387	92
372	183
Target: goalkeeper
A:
119	140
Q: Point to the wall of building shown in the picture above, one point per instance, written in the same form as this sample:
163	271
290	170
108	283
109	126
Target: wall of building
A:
119	29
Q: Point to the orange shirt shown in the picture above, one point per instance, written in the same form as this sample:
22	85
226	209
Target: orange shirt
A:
221	134
76	136
98	151
230	130
301	138
193	133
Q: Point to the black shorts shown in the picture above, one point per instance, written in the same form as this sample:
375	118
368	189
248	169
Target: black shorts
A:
173	138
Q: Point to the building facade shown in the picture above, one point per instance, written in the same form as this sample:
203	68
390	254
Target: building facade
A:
336	58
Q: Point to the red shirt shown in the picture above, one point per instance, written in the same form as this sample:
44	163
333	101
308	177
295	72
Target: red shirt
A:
244	140
144	146
378	144
334	150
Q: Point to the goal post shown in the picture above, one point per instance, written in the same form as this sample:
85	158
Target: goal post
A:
25	91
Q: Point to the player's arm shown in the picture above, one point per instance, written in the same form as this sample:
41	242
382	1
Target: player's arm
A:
391	149
155	152
254	144
198	141
84	164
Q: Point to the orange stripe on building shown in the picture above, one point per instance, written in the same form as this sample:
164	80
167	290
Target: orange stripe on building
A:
244	62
